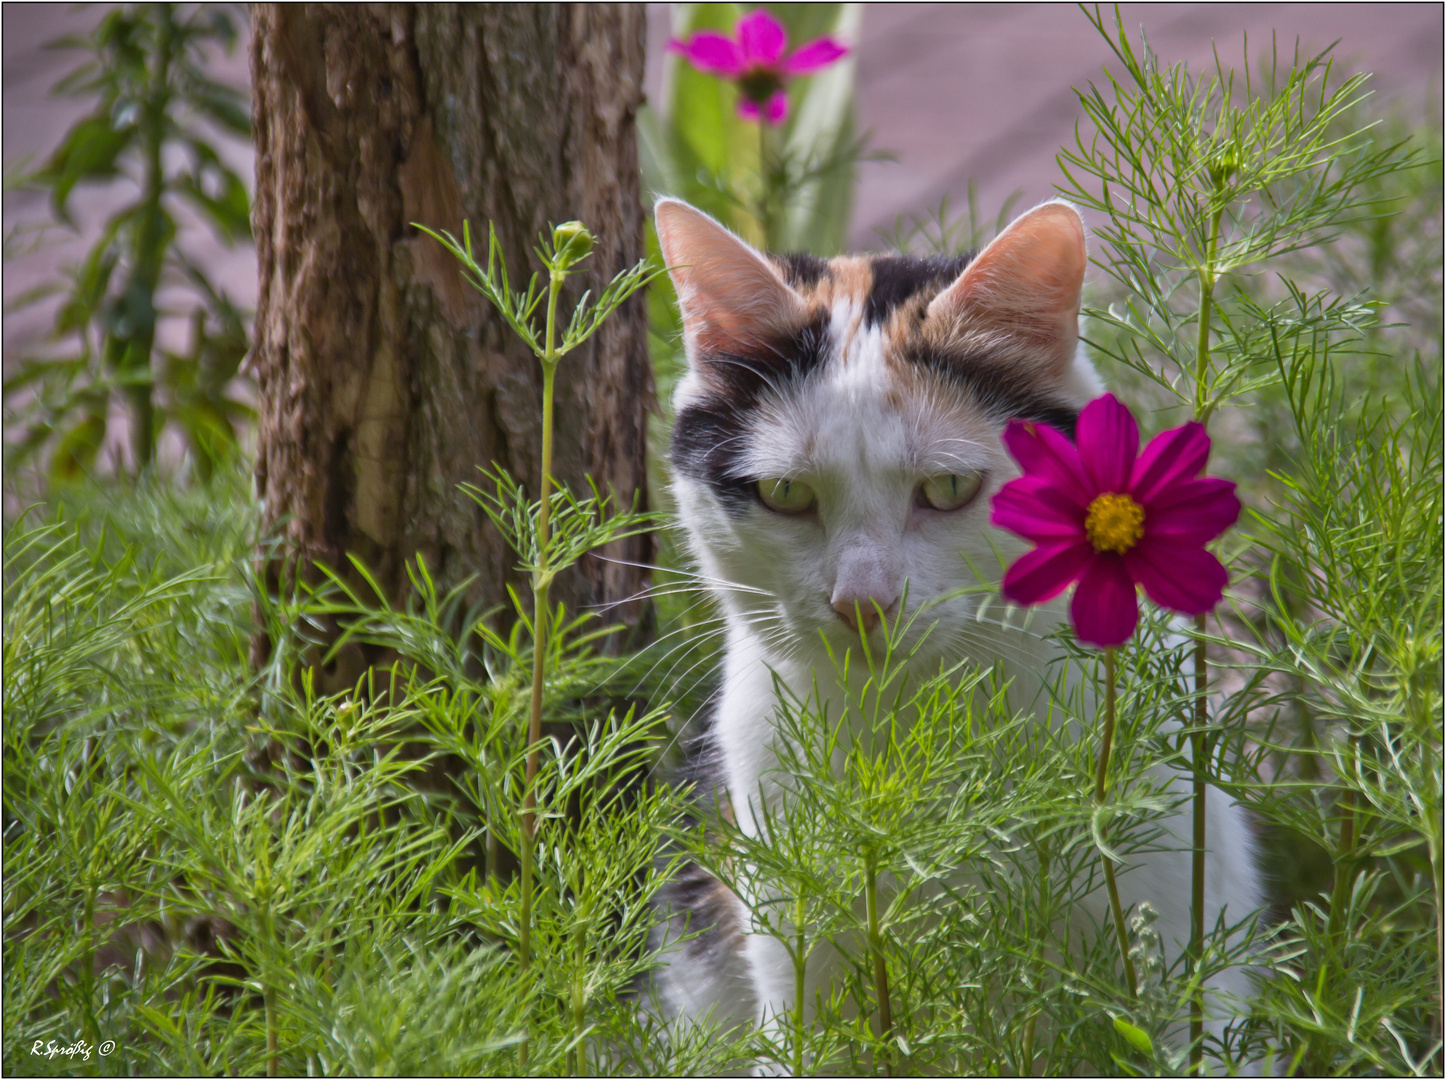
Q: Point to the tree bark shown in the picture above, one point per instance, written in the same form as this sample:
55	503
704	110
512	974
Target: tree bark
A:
384	381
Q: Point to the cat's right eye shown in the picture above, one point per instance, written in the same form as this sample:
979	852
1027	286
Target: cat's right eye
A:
786	496
949	492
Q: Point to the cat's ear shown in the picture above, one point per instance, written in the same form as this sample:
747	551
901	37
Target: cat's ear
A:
1026	284
731	297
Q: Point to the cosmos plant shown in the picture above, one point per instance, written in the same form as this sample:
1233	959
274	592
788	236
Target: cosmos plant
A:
1109	518
757	61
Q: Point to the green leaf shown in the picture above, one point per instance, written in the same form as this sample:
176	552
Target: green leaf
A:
229	212
34	295
1135	1037
90	284
32	371
89	152
222	104
77	450
822	131
706	137
701	107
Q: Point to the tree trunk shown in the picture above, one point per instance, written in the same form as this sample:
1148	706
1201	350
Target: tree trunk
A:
384	380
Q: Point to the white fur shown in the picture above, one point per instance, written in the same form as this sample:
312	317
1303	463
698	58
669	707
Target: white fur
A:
865	458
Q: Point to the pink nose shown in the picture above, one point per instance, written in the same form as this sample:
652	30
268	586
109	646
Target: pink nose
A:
854	611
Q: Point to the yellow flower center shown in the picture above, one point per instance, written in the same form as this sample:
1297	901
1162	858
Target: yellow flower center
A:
1115	523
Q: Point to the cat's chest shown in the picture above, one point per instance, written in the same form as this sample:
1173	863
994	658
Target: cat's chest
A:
760	687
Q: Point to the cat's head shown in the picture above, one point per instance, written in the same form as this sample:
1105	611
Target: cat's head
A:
838	430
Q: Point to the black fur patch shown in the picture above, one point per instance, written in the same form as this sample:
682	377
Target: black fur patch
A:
802	270
998	387
705	447
708	436
693	898
897	278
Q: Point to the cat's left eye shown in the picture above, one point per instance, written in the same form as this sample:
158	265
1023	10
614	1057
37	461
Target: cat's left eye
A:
949	492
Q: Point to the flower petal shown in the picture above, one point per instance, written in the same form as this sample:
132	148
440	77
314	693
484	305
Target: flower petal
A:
1033	508
762	37
1104	609
1193	511
1044	452
1172	455
711	52
748	109
813	55
1183	577
1108	440
777	108
1042	574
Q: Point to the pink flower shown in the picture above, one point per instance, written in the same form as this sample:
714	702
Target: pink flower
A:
756	62
1110	518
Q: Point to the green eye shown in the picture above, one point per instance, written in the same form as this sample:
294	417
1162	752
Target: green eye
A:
949	492
786	496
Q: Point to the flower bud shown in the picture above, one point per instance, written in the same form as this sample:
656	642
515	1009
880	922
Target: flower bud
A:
572	242
1226	165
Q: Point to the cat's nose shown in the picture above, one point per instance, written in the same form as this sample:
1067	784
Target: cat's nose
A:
864	584
854	611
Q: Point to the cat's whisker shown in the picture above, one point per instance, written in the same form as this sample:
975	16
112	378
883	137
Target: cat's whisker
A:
693	575
964	637
694	641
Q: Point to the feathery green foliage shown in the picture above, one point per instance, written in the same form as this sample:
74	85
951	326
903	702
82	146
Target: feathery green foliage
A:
216	870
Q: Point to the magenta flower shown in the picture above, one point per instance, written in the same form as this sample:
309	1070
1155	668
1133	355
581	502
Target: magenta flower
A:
1110	518
756	63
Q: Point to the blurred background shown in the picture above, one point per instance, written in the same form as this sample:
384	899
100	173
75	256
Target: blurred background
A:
955	96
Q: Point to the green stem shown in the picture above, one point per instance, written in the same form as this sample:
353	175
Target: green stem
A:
273	1038
579	1044
876	946
135	354
268	983
540	582
767	217
578	1003
1345	861
1317	1055
87	971
1202	681
1203	408
1200	759
1102	770
800	969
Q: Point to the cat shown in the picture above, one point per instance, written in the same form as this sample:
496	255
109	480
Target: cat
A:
837	437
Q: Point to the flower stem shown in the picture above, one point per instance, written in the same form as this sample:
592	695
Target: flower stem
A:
800	969
1202	681
540	581
876	946
1199	757
1102	769
1203	407
768	186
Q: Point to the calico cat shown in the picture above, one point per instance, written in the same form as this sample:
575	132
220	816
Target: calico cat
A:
838	435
